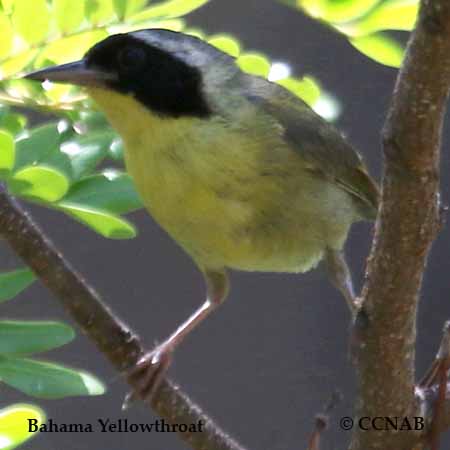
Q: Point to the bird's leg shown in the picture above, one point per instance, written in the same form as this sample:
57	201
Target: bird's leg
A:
151	368
340	276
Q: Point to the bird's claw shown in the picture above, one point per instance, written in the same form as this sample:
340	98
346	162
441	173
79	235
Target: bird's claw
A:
147	375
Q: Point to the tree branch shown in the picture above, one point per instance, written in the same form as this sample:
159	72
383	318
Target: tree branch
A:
432	393
111	336
442	364
406	227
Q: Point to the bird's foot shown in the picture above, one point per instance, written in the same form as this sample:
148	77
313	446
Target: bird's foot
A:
147	374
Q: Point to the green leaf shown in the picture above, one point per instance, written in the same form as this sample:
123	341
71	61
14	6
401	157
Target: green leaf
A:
69	48
380	48
254	63
7	153
85	152
69	14
47	380
58	93
168	9
169	24
7	5
14	424
335	10
21	338
6	35
13	283
107	225
390	15
226	43
13	65
27	89
37	145
195	32
99	11
12	122
31	19
306	88
111	191
39	183
41	146
125	8
92	120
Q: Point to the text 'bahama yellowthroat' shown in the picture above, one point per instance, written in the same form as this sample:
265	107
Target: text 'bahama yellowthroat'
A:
239	171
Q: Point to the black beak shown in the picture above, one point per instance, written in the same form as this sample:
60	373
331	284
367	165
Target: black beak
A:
73	73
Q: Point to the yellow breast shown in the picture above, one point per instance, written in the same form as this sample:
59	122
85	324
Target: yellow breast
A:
180	172
226	199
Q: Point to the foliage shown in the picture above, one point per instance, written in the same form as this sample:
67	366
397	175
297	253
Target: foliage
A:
53	165
19	340
366	23
14	424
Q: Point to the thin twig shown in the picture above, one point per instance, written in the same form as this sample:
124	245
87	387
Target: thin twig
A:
111	336
439	405
438	375
320	425
407	224
321	421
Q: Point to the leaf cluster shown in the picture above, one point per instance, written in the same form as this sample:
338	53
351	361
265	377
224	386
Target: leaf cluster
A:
367	24
20	341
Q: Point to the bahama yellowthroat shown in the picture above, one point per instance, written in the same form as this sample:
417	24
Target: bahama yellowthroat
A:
239	171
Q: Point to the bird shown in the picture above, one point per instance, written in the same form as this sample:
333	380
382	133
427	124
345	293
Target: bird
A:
238	170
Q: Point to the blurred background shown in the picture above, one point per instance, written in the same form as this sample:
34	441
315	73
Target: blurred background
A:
271	357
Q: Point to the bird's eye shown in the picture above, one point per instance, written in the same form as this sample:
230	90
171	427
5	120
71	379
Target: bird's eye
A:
132	58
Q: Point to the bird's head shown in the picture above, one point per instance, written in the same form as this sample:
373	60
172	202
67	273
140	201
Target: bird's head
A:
167	72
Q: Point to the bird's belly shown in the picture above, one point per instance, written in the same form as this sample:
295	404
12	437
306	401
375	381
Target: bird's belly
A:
219	229
195	215
227	207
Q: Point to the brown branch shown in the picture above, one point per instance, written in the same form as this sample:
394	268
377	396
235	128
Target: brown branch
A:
432	391
406	227
112	337
436	427
430	401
